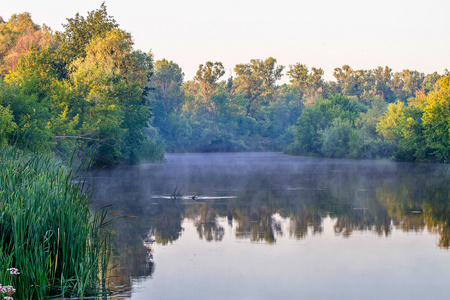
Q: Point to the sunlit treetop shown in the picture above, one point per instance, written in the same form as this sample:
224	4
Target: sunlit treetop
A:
19	36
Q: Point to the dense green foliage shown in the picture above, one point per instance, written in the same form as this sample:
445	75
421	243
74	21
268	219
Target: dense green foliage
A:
248	112
421	126
47	230
84	89
346	118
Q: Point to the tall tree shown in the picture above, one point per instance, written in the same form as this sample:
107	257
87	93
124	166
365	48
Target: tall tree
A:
317	117
19	36
207	77
113	106
383	77
298	77
257	80
268	71
436	121
405	84
346	80
80	32
309	84
168	79
91	90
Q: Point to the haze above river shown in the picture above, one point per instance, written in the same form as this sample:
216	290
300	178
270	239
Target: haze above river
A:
267	226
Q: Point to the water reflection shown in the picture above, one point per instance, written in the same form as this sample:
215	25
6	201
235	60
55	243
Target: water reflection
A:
256	193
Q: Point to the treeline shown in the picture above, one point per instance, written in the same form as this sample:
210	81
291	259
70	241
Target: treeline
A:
401	116
363	114
84	89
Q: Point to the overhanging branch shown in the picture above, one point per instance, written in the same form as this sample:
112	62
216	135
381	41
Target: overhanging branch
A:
80	137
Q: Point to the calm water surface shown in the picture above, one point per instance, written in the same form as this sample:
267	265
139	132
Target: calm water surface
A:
270	226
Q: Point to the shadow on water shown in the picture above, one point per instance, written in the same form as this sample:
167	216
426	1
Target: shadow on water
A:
255	193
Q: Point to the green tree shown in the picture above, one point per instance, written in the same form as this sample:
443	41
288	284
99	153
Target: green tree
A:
315	83
109	98
19	36
168	79
80	32
38	66
7	125
405	84
383	78
298	75
89	90
429	82
31	113
367	121
309	84
346	80
359	83
317	117
207	77
256	81
338	139
402	124
436	121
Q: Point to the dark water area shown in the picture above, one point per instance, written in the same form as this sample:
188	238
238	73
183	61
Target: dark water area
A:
267	225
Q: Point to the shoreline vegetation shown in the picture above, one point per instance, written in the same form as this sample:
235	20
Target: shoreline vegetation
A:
86	90
47	231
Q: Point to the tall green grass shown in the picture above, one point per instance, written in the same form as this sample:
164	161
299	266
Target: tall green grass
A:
47	230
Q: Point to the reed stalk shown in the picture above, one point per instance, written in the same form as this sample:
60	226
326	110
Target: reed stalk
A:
47	230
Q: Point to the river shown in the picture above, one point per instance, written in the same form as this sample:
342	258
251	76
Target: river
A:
272	226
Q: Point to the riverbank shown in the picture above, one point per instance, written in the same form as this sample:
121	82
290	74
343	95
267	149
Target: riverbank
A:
47	231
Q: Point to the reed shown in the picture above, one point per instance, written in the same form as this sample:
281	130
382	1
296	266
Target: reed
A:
47	230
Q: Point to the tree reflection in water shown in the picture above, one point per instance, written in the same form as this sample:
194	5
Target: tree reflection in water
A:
205	220
376	197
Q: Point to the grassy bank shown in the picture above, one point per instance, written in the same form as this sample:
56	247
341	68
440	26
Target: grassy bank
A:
47	230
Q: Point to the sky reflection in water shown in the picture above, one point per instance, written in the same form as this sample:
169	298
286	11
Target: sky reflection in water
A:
265	226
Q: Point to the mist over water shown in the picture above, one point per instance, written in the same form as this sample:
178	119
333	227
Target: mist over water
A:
267	225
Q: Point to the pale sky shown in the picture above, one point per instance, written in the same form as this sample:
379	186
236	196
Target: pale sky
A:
401	34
